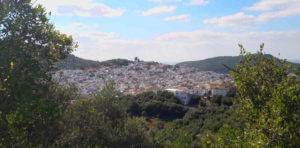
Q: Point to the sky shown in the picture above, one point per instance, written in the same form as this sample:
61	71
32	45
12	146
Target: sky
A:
172	31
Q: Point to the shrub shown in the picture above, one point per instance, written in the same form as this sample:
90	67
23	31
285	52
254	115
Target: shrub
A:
100	121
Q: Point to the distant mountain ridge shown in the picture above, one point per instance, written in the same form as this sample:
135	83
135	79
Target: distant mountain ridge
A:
72	62
216	64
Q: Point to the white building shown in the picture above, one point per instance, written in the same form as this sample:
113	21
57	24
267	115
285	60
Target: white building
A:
184	97
219	92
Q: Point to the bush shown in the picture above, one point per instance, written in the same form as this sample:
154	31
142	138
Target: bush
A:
163	110
173	136
100	121
162	104
268	104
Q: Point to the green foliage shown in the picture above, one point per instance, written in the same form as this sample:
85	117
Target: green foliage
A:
233	137
161	96
269	104
100	121
36	112
163	110
43	123
298	71
174	137
178	125
161	104
29	46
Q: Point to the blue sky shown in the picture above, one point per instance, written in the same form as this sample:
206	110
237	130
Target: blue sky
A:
177	30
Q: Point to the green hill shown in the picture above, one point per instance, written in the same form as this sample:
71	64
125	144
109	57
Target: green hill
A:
217	64
214	64
73	62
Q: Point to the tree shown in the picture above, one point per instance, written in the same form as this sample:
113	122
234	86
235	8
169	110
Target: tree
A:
268	104
29	47
174	137
100	121
298	71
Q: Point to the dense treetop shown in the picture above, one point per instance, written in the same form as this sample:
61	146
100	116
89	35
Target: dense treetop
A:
29	46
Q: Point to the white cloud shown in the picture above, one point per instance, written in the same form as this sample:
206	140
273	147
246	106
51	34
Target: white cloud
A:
182	18
159	10
266	5
79	27
199	2
267	10
266	16
86	8
187	2
182	46
236	20
165	1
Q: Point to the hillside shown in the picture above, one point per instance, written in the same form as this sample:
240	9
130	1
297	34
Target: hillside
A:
214	64
217	64
72	62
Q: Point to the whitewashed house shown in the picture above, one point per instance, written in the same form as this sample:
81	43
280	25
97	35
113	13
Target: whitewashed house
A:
219	92
184	97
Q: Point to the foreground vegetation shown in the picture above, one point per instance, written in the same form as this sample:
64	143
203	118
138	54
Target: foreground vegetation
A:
35	112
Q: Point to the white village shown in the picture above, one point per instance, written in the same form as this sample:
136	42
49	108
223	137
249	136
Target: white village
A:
141	76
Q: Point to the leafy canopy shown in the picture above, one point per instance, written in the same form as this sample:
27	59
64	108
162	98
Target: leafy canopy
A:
100	121
268	104
29	46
